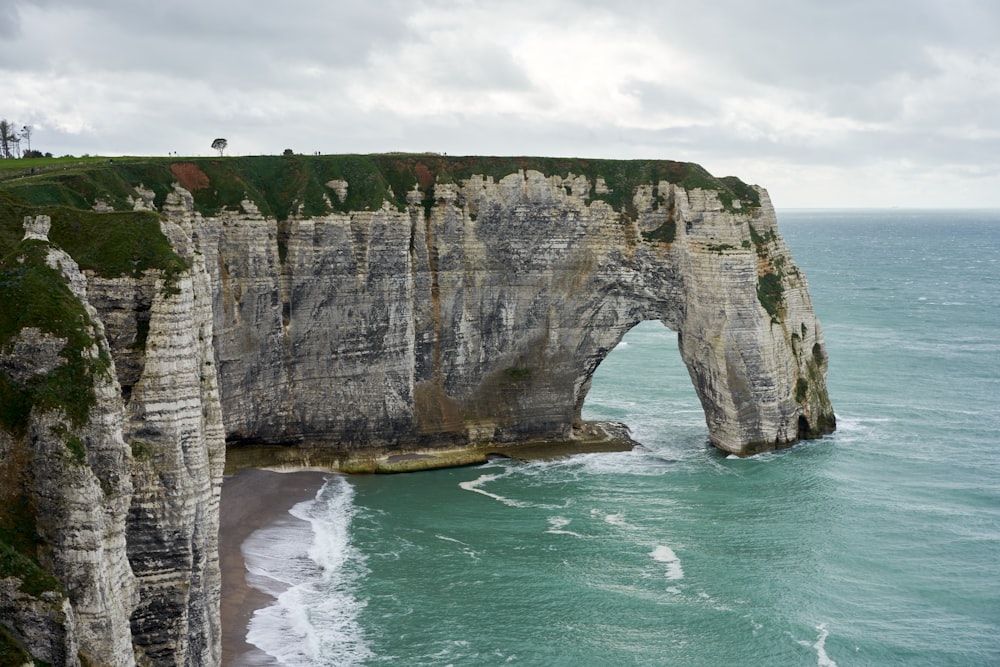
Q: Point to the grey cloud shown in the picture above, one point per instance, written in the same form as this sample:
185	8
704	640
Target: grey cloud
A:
665	98
482	68
270	75
10	22
227	42
799	43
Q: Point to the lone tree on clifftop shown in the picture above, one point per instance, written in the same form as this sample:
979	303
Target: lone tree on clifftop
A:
220	145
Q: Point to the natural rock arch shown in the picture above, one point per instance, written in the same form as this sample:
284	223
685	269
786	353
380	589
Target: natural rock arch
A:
642	382
471	309
481	318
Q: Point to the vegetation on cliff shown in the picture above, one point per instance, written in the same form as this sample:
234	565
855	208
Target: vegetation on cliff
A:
111	244
12	654
36	295
283	185
37	298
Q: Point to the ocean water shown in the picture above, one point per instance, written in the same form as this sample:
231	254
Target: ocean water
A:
878	545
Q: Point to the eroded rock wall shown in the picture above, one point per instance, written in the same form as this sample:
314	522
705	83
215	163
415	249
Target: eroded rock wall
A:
478	312
111	489
66	472
173	426
484	316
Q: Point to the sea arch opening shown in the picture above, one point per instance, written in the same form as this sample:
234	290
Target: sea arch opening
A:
644	383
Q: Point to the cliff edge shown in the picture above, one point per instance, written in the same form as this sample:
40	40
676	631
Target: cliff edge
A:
348	309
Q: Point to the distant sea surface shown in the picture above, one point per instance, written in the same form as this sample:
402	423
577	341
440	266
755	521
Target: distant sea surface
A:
879	545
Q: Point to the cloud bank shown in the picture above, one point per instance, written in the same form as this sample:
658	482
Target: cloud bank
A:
849	103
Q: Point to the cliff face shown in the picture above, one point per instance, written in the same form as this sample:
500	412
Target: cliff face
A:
69	470
110	523
354	306
173	425
484	318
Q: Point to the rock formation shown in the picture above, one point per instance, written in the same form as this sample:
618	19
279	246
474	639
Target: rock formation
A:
389	305
109	550
486	319
68	470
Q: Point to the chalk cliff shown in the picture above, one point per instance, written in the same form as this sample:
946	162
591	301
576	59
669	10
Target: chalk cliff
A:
353	307
109	531
484	316
68	468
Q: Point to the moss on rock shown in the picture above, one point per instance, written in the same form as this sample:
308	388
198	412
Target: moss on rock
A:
12	654
40	297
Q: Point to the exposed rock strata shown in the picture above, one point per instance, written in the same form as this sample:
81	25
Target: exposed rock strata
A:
125	505
474	315
162	332
175	428
485	320
73	477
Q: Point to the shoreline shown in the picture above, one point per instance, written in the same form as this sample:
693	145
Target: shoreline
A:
251	499
262	482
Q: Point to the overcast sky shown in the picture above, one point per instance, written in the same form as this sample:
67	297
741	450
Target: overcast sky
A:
823	102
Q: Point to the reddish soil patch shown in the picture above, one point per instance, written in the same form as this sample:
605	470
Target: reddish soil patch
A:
190	175
424	176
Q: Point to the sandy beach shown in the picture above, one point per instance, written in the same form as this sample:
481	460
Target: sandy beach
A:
251	499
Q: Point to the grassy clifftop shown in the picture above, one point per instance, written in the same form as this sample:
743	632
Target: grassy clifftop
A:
111	244
281	184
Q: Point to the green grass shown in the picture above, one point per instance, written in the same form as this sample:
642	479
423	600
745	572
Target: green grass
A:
770	288
76	447
801	389
279	185
665	233
518	374
35	295
761	240
34	580
110	244
17	526
770	293
19	542
17	168
747	195
141	450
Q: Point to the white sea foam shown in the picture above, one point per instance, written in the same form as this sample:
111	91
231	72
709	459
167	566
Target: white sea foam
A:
636	462
663	554
309	564
853	429
558	523
822	659
463	547
529	470
617	520
275	557
474	485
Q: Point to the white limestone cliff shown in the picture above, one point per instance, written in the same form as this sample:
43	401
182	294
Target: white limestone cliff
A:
73	474
477	313
174	428
125	504
485	320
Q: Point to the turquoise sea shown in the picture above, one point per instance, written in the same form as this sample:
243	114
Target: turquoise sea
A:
879	545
